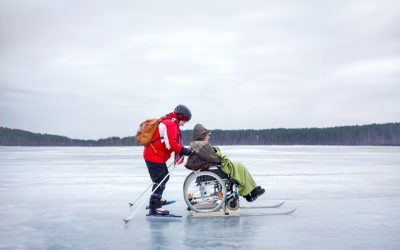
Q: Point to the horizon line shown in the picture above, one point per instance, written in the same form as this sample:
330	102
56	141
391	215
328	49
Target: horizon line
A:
356	125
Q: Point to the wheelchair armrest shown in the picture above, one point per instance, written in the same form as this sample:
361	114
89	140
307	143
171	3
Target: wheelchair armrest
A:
215	167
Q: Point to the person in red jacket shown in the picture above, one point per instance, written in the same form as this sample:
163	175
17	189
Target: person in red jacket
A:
166	139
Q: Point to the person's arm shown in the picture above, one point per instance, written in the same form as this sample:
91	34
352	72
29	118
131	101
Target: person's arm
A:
207	153
169	132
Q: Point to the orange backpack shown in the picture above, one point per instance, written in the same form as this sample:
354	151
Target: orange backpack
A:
146	131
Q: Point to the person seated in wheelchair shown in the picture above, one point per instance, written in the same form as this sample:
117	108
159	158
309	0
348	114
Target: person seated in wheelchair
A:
204	156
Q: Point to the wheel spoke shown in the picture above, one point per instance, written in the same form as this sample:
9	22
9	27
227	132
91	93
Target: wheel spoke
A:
204	192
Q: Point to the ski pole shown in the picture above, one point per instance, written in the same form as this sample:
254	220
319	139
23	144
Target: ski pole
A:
145	200
133	203
137	209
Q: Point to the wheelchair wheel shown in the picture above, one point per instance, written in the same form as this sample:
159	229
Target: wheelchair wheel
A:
233	203
204	192
188	177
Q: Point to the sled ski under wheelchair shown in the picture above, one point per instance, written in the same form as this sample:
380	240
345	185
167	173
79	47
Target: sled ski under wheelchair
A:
211	193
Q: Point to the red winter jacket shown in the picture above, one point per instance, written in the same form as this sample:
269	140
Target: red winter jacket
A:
161	150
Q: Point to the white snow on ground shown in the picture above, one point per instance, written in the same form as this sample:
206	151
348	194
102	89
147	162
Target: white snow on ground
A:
75	198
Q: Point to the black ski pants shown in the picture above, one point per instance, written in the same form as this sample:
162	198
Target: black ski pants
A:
157	172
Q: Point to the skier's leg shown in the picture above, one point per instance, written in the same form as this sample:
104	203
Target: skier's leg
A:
164	183
158	172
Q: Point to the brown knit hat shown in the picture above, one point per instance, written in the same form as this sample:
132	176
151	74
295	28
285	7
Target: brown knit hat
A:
199	132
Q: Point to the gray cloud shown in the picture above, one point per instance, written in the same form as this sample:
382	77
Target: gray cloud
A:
93	69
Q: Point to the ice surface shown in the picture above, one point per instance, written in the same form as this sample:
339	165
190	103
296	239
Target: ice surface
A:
75	198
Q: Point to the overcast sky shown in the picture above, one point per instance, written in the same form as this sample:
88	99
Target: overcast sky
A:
92	69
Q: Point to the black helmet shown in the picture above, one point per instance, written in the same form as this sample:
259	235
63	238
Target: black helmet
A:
183	113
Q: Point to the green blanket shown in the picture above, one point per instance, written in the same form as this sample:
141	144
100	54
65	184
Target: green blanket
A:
238	172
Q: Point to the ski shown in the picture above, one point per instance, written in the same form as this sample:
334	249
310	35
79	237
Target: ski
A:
272	213
163	216
155	216
270	206
167	203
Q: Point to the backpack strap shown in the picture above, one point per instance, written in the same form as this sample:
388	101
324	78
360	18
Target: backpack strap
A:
160	120
160	138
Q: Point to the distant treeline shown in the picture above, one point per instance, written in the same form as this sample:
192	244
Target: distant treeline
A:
373	134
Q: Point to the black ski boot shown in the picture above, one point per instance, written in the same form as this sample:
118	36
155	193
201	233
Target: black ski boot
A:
158	212
249	198
258	191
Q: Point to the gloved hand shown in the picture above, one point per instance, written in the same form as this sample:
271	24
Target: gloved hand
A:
186	151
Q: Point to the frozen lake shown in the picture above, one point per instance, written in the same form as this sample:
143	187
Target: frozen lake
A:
75	198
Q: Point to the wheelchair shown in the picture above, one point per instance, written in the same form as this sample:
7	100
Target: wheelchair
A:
211	191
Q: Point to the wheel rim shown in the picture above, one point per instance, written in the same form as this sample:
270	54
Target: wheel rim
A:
204	192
